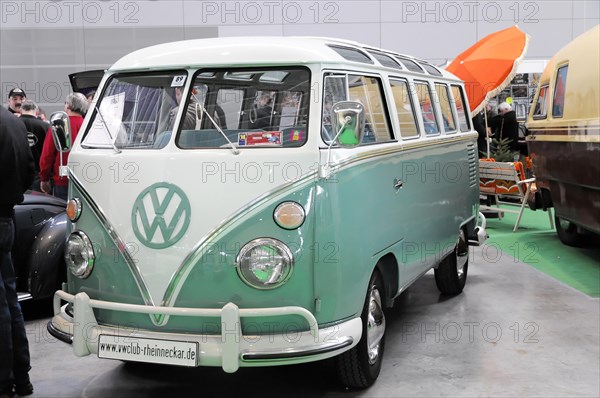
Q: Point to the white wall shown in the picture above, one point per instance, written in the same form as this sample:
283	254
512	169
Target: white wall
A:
41	42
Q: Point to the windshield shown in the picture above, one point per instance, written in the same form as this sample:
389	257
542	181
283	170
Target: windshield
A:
135	110
262	107
246	108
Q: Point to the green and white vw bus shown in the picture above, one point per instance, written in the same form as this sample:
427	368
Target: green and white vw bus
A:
259	201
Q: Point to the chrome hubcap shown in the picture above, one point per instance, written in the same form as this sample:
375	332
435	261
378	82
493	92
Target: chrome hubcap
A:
462	254
375	325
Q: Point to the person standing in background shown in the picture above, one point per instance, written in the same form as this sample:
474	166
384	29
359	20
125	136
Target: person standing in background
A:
90	97
42	115
509	126
262	113
76	106
16	96
483	129
16	162
36	133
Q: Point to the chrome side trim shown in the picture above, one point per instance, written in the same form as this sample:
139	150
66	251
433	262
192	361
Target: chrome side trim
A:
405	147
22	296
297	352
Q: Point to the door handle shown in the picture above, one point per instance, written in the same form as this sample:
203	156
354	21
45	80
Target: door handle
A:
398	184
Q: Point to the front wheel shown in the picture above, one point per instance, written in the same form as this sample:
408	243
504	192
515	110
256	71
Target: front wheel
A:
451	274
360	366
568	234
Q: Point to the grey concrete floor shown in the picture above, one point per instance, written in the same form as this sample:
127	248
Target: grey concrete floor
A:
513	332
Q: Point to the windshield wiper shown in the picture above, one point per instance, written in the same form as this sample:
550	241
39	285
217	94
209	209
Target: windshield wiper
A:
233	147
112	142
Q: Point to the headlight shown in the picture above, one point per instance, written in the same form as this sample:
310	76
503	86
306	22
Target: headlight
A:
74	209
265	263
79	254
289	215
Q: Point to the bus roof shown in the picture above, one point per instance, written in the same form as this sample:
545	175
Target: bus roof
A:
262	51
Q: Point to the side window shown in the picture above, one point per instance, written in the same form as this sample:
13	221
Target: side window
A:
405	109
461	111
368	91
427	113
558	102
447	115
335	91
541	106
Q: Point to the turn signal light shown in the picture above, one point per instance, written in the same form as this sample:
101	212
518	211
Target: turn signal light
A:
74	209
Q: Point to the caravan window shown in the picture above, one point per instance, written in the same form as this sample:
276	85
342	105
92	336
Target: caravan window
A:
364	89
369	91
461	111
430	122
405	108
558	102
541	106
443	96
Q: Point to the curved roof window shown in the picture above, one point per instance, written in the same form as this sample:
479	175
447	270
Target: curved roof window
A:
352	54
410	65
386	60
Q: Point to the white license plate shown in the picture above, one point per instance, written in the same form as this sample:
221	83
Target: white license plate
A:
169	352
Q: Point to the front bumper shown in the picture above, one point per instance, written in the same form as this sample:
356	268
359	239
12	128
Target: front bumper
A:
230	349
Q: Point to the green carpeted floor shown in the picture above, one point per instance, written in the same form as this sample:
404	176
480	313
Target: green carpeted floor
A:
536	244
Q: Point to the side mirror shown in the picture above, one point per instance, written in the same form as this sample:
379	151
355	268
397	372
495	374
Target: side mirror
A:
349	122
61	131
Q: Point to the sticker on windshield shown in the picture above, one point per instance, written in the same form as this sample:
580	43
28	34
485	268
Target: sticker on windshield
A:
260	138
296	135
178	81
107	122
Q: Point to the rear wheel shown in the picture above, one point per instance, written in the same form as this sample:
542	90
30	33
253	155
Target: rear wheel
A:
360	366
568	234
451	274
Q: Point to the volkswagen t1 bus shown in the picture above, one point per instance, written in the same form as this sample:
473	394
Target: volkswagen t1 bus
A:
260	201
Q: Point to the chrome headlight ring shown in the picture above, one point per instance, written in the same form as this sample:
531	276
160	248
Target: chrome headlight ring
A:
79	254
265	263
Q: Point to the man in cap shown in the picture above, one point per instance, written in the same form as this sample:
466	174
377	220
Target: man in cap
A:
15	99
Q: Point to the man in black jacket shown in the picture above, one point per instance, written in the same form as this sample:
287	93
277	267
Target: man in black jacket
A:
507	126
36	133
16	163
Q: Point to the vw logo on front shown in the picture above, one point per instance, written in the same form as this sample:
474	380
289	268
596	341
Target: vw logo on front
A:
161	215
